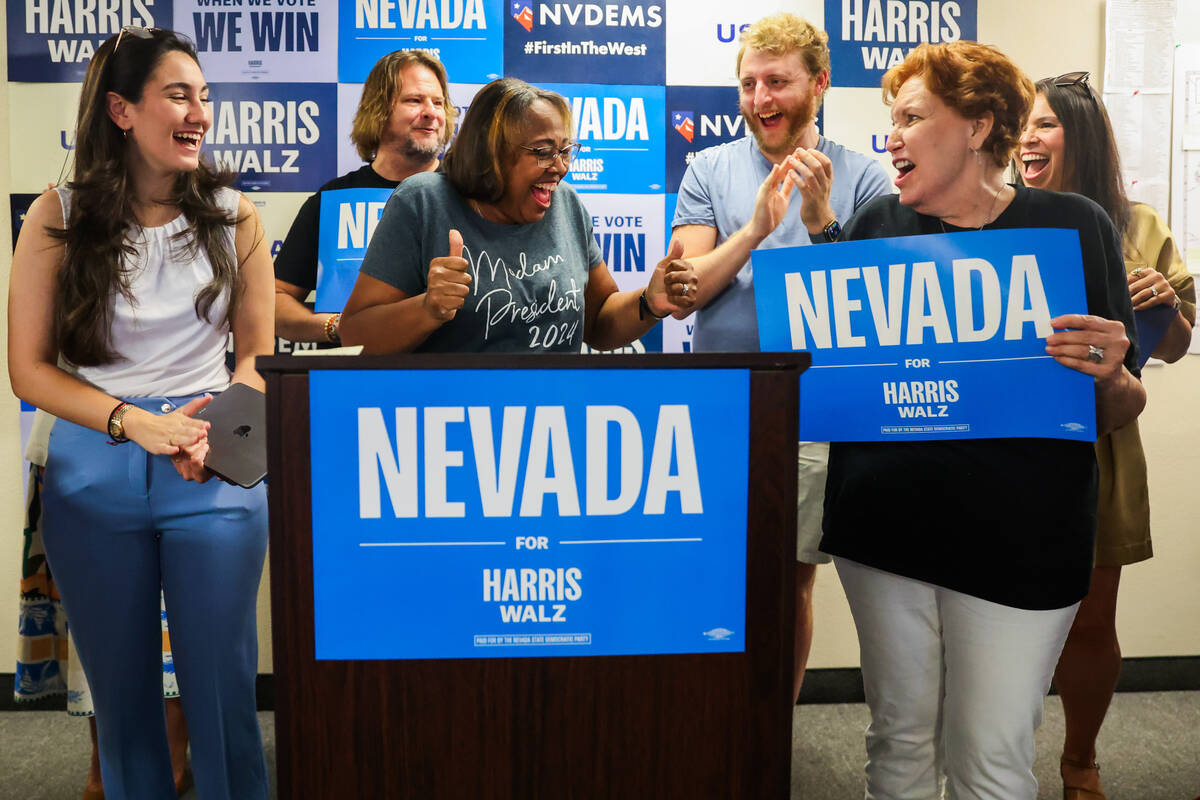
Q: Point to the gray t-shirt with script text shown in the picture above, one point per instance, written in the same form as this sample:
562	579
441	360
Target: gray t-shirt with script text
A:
528	281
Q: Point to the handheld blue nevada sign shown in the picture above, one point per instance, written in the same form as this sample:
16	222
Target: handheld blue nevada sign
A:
929	337
347	222
520	513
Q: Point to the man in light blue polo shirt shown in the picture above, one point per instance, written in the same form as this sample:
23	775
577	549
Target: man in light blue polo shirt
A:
740	196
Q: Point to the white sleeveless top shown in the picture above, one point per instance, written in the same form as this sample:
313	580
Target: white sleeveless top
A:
165	349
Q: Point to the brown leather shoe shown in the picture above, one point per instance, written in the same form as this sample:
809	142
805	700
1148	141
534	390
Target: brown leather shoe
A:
1081	792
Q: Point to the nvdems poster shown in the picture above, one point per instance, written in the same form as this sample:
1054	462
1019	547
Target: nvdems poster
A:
623	41
929	337
699	117
514	513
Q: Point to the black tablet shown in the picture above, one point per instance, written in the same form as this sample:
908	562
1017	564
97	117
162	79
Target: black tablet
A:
237	440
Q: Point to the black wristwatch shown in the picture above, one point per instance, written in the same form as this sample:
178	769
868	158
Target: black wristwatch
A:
832	232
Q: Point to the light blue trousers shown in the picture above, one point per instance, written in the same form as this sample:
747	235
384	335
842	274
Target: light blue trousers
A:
119	523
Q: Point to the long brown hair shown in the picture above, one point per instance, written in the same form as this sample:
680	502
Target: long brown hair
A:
96	264
1091	163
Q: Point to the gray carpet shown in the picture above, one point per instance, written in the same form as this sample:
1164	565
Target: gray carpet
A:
1150	750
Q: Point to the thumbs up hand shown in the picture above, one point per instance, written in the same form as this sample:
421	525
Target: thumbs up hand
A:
448	283
672	287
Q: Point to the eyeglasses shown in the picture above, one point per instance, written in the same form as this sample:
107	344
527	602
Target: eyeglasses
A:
134	30
548	155
1079	78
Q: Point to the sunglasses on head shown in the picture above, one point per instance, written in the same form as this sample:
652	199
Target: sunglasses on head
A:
134	30
1079	78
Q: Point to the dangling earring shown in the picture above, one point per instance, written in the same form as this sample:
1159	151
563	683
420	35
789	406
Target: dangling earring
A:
125	133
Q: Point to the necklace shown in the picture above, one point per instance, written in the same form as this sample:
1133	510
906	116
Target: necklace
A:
986	219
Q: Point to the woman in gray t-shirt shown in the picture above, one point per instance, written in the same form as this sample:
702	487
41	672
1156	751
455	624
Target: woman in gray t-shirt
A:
494	253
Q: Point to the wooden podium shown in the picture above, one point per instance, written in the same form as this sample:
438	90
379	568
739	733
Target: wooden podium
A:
630	727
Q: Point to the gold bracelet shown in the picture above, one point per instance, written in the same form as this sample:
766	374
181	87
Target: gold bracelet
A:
116	422
331	328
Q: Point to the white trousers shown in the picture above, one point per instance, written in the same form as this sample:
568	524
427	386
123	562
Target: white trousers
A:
955	685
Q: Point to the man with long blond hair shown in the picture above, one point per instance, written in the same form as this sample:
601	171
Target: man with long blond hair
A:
737	196
403	122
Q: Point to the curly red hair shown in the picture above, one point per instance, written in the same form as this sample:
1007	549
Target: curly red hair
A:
973	79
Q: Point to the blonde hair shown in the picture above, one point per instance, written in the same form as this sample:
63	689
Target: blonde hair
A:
382	86
787	33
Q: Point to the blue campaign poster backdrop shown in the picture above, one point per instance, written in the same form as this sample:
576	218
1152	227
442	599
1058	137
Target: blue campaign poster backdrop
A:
18	206
868	37
625	41
621	137
502	513
467	36
929	337
267	40
278	137
347	222
52	41
699	117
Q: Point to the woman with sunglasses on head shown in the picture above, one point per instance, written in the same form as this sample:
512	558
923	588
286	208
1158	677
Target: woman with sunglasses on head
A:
1068	146
126	284
494	253
963	598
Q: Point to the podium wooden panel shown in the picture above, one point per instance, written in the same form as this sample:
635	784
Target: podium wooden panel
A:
629	727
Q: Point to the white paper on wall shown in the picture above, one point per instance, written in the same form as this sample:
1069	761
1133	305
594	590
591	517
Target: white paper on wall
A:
1138	66
1139	37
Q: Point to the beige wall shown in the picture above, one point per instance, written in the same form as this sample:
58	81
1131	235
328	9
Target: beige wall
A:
1159	599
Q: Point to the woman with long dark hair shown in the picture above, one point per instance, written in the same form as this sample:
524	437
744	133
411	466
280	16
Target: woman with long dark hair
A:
1068	146
125	286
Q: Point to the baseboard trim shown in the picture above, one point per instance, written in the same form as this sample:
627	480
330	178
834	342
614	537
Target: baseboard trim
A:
842	685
